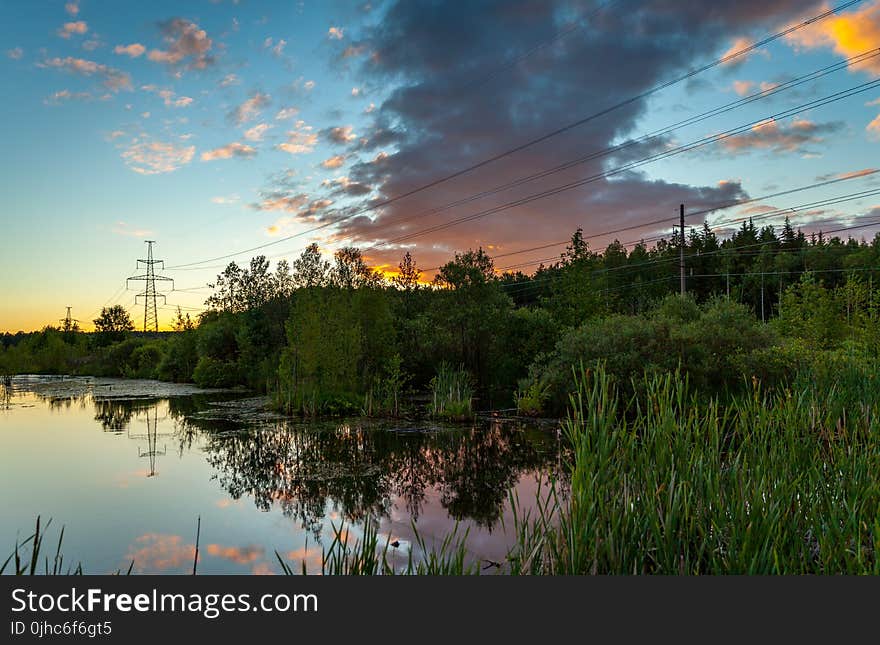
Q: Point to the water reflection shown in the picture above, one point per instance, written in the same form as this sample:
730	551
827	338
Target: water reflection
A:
152	437
310	473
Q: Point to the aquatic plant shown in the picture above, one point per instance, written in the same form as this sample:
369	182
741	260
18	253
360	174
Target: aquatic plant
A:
28	564
369	555
773	483
451	394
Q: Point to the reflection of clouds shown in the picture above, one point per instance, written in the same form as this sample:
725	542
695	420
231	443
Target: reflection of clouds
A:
239	555
124	480
311	556
160	552
482	542
263	569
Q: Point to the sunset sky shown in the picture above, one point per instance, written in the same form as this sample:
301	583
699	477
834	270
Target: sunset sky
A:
217	126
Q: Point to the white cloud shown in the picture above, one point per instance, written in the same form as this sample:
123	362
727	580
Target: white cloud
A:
171	100
299	141
309	85
15	53
250	109
229	199
229	79
286	113
256	133
123	228
113	78
72	8
155	157
67	95
335	33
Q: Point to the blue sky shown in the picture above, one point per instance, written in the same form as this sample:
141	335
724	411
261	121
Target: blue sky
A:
214	127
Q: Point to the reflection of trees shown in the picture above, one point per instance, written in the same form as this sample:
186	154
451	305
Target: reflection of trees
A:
115	415
358	470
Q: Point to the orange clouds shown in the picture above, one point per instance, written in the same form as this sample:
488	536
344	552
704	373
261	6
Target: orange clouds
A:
333	162
299	141
256	133
776	137
158	552
848	34
239	555
134	50
742	87
873	127
79	27
234	149
185	41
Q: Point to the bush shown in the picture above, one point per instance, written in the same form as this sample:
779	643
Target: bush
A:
704	342
144	360
179	359
213	372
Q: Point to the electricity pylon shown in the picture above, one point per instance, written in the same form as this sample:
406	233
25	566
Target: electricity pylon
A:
149	294
68	323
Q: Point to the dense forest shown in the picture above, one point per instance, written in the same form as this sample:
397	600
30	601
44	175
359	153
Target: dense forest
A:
337	337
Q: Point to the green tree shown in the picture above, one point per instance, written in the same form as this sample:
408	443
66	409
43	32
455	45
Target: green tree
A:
113	324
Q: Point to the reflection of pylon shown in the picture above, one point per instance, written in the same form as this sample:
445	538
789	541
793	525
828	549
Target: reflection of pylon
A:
68	323
149	294
152	450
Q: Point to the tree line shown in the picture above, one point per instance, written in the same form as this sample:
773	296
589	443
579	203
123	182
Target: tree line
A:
334	337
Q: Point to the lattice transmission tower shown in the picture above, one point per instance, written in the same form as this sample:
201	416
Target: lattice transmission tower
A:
149	294
69	323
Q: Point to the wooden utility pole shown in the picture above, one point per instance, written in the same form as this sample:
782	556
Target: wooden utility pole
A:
681	254
763	319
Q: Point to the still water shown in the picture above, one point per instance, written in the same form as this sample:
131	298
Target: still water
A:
128	466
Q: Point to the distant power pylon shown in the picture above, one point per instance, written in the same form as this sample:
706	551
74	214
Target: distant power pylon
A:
149	294
69	323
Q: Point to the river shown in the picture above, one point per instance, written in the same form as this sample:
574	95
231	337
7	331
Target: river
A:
128	467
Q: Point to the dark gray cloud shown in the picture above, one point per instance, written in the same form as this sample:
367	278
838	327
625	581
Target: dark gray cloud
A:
455	103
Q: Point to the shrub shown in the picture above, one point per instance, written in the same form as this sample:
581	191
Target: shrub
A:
213	372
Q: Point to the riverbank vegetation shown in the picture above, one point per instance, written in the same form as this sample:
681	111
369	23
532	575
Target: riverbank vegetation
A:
664	481
328	338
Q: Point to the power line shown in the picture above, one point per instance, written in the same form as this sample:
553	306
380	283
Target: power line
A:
655	135
660	261
837	96
841	177
657	88
763	94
